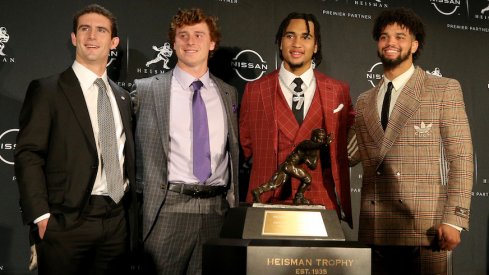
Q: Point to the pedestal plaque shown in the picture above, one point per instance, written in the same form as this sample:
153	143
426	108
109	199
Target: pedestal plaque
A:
282	222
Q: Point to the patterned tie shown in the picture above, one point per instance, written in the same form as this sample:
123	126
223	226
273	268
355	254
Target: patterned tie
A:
202	151
298	101
384	118
108	144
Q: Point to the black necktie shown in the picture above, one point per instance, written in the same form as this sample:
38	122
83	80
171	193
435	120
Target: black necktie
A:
384	118
298	101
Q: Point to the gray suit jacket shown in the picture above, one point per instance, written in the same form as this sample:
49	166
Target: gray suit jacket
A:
151	97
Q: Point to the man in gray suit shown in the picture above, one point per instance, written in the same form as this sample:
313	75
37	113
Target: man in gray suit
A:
186	149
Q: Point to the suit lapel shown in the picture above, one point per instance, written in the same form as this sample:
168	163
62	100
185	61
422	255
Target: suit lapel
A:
329	102
269	99
372	118
120	98
161	87
406	105
70	86
229	105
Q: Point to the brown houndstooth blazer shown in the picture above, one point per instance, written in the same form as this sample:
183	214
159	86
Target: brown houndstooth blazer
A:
419	173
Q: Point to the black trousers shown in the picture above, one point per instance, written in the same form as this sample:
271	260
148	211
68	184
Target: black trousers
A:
97	245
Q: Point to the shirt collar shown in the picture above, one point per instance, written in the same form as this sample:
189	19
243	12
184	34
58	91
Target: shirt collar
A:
185	79
87	77
288	77
401	80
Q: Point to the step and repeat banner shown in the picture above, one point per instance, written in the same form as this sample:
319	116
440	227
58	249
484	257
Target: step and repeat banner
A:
35	42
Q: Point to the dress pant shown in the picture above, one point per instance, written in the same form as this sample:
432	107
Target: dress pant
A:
183	225
96	245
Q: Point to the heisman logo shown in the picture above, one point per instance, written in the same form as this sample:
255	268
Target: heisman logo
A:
4	37
485	9
164	53
424	130
435	72
446	7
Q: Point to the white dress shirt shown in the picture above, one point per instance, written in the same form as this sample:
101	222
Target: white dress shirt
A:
180	156
287	85
398	84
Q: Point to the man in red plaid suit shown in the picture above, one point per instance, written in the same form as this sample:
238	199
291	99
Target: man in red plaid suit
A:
281	109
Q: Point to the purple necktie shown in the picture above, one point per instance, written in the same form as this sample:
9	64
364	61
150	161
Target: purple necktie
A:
202	151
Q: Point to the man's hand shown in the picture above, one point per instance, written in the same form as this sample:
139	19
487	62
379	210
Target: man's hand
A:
448	237
42	225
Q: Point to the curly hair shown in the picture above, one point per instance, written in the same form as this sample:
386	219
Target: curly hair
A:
405	18
95	8
318	56
189	17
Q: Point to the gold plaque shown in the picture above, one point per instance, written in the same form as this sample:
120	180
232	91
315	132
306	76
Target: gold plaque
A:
293	223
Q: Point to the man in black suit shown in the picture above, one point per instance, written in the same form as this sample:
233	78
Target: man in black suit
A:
74	159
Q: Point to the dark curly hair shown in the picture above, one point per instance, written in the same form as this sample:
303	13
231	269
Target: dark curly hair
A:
405	18
318	56
189	17
95	8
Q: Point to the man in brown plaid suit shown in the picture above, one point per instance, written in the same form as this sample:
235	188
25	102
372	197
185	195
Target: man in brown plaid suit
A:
415	145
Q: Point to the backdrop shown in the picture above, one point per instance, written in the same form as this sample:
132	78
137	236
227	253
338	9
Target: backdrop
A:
35	42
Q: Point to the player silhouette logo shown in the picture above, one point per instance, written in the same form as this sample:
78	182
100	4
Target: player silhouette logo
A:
164	53
4	37
485	9
435	72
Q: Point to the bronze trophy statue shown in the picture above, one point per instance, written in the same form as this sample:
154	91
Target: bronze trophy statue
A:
306	152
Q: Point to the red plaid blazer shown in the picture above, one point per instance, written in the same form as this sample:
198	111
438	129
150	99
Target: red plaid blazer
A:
258	125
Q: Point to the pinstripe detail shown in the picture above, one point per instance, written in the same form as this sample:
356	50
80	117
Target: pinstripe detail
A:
443	166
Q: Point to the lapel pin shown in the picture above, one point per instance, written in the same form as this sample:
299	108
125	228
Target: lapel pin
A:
123	98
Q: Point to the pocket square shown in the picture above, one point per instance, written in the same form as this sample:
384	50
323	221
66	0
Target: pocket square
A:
338	108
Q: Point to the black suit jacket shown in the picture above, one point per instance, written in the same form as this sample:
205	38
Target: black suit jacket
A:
56	156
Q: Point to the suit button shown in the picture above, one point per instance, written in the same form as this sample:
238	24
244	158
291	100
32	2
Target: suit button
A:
378	173
401	201
398	174
372	202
